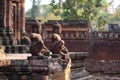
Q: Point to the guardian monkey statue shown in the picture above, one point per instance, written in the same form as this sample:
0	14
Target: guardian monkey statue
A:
37	45
58	45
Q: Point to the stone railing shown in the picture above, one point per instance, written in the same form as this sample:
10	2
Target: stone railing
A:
106	35
74	35
71	35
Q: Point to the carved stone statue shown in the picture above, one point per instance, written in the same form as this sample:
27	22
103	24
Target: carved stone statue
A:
36	27
58	46
38	47
57	28
25	40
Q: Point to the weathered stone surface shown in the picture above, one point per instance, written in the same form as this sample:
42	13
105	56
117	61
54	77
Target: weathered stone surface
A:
100	78
102	66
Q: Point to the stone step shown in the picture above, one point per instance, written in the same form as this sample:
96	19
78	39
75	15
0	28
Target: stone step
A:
16	49
16	56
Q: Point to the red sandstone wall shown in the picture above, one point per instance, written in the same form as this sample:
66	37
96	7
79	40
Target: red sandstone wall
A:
100	50
106	50
74	45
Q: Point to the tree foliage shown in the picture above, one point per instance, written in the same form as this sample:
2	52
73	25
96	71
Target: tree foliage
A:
35	10
44	12
47	13
95	11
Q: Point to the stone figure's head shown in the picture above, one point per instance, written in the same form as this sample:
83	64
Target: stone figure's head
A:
56	36
36	37
57	28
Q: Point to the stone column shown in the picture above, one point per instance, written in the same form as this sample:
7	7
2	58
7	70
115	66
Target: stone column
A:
22	13
66	34
9	17
3	13
18	22
77	34
5	4
7	13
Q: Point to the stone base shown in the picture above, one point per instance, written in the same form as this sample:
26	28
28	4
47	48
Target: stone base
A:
36	76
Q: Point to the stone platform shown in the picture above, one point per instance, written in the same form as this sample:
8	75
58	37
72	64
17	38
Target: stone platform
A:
22	68
17	56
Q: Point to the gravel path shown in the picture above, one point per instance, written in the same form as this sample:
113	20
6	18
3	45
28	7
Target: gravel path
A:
84	75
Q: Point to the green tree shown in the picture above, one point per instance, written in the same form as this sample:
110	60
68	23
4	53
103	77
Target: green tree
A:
92	10
35	10
45	12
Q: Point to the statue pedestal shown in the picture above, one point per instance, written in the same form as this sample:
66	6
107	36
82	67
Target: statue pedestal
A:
43	68
36	76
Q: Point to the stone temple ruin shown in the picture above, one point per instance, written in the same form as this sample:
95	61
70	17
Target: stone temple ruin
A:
25	60
26	53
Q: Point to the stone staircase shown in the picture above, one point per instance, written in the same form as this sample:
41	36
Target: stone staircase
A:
9	43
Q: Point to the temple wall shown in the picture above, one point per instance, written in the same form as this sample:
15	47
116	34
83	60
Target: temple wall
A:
74	33
73	45
100	45
105	46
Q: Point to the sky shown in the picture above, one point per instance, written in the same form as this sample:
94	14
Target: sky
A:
114	5
28	4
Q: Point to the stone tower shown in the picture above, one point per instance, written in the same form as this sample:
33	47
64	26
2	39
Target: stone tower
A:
12	25
12	16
